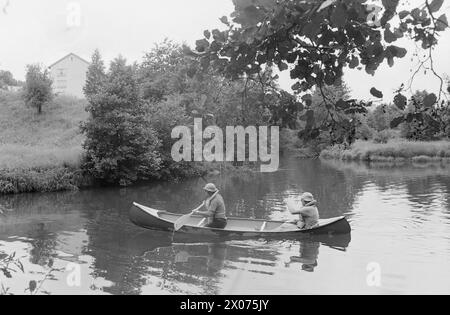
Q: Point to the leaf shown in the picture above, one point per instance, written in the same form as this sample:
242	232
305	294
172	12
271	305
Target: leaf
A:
403	14
307	99
224	20
430	100
354	63
32	286
376	93
436	5
207	34
339	17
283	66
397	122
341	104
400	101
202	45
442	23
398	52
326	4
389	37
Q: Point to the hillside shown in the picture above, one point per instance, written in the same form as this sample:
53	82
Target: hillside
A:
29	140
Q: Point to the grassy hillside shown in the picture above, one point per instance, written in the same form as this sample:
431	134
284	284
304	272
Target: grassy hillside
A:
40	153
29	140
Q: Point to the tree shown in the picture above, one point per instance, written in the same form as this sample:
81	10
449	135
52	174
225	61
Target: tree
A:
38	87
7	79
317	40
121	147
380	118
165	70
424	118
95	76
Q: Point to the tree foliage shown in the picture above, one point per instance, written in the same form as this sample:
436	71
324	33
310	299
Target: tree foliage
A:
38	87
7	79
317	40
381	117
425	118
96	76
121	147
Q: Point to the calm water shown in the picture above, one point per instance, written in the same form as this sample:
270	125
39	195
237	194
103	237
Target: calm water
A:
400	219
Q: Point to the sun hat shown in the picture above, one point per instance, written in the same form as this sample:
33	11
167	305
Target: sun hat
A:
211	188
308	197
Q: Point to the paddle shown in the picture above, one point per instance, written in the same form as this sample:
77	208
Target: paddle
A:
184	219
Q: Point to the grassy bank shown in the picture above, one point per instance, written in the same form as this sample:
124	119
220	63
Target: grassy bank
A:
40	152
395	150
43	153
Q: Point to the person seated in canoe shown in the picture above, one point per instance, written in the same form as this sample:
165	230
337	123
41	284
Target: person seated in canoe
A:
308	214
215	208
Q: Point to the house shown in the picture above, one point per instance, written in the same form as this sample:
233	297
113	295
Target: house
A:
69	75
11	88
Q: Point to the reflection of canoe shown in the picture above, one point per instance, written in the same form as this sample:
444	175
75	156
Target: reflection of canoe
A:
161	220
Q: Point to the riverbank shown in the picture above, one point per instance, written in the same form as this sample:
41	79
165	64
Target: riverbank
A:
43	153
397	150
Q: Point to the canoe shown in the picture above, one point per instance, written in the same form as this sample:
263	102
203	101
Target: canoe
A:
153	219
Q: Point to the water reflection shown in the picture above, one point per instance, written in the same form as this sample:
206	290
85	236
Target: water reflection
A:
400	219
308	258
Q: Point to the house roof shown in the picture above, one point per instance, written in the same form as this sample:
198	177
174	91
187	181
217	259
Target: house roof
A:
69	55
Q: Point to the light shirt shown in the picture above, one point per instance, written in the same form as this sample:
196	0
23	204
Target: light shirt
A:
309	217
216	208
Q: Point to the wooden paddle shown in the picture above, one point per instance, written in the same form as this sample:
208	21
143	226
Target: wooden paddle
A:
184	219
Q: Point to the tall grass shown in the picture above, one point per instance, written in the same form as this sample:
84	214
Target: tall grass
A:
40	152
398	149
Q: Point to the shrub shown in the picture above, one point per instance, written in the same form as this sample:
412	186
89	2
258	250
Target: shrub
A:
121	147
16	181
385	136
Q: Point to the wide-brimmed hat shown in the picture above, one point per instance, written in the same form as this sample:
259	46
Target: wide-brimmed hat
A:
308	197
211	188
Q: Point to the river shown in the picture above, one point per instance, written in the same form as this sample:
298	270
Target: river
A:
400	241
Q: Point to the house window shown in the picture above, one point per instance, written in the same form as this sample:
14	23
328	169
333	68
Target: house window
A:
61	73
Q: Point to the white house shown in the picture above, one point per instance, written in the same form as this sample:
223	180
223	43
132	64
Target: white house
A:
69	75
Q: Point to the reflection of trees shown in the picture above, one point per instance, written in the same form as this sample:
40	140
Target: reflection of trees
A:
425	185
39	218
123	253
201	265
43	245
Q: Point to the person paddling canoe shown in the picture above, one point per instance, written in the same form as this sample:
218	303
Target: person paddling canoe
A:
308	212
215	208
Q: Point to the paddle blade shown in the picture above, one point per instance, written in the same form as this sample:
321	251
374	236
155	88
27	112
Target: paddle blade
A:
292	205
182	222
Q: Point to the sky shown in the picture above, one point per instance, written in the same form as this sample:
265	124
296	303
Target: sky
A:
44	31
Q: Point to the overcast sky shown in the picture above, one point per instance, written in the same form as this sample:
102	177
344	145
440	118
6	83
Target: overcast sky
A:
44	31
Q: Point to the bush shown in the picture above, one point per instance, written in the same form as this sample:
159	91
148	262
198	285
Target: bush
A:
365	132
385	136
16	181
121	147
